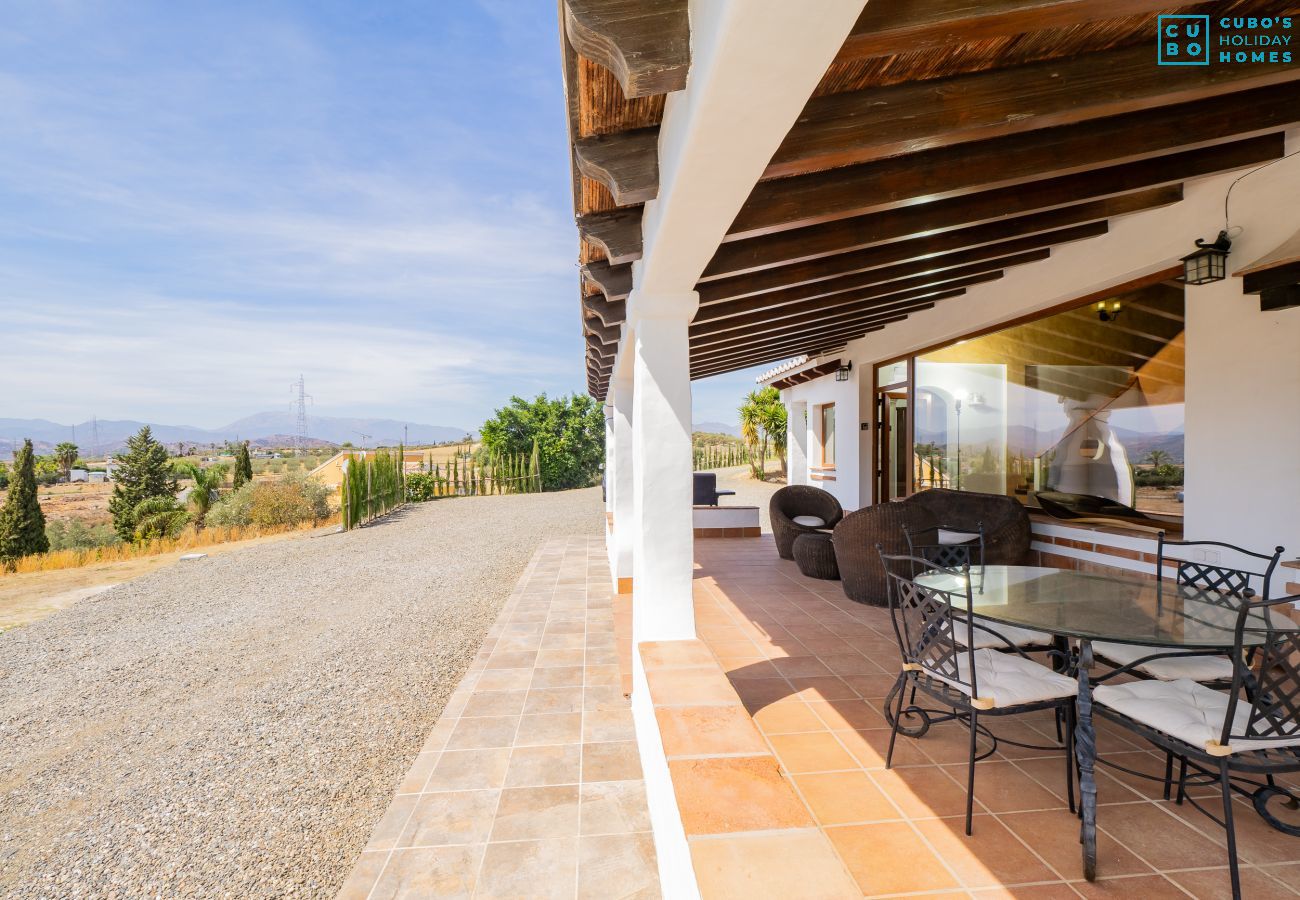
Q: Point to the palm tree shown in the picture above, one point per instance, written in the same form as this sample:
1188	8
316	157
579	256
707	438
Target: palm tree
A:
206	490
751	429
159	517
763	419
65	456
774	423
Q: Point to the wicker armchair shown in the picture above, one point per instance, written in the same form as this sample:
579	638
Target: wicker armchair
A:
860	533
1005	521
800	500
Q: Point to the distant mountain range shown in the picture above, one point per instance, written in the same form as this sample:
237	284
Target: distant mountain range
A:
716	428
264	429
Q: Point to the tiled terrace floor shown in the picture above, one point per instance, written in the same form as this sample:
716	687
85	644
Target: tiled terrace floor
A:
812	669
530	783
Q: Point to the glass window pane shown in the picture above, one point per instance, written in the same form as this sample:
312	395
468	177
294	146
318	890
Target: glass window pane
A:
828	435
891	373
1079	407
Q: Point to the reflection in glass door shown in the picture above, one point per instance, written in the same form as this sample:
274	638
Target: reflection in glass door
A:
893	442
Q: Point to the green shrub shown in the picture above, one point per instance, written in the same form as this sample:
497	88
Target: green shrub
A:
279	503
268	504
421	486
234	510
76	535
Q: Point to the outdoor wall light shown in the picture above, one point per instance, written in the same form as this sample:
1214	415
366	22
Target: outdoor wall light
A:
1209	262
842	373
1109	312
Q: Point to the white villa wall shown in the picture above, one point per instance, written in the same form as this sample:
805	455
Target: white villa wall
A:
848	468
1243	365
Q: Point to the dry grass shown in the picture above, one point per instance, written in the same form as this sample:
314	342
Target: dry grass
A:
189	539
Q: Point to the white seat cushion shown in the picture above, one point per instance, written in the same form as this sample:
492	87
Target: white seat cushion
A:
1168	668
990	635
809	521
947	536
1190	712
1004	679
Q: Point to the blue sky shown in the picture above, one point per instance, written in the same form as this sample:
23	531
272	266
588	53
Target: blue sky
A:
200	201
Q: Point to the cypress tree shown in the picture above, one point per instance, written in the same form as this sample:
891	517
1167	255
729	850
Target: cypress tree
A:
22	524
535	469
144	473
243	466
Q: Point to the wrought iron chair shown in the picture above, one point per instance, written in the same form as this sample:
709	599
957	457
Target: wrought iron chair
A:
950	547
1211	581
1252	730
966	682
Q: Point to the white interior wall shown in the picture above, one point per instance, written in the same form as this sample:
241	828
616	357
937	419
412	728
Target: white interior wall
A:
810	396
1243	380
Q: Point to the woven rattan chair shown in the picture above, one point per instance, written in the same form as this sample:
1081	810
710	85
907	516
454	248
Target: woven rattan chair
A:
800	501
940	661
1002	521
1252	730
856	537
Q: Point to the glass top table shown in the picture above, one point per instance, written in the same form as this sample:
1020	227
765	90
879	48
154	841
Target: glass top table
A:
1129	609
1090	607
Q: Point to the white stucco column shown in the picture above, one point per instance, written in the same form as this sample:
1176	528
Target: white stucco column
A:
663	549
623	509
796	429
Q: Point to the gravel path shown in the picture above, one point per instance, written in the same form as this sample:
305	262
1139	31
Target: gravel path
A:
234	727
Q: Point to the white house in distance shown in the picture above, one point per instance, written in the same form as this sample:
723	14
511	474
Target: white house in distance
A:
957	234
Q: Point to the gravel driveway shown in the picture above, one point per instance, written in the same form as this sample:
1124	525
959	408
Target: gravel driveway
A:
234	727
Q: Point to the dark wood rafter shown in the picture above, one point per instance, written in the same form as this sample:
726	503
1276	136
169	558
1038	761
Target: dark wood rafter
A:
617	233
1065	152
762	358
775	321
862	126
823	294
811	374
615	282
887	29
609	314
980	218
608	335
929	253
647	46
864	317
796	344
626	163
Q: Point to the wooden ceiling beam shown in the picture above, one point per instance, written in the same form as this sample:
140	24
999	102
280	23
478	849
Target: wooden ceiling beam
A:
647	46
808	343
615	282
988	216
609	314
762	357
869	314
617	233
861	126
924	254
626	163
825	294
1066	151
887	29
608	334
852	306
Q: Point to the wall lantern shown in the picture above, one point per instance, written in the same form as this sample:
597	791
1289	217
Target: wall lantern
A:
1109	312
1209	262
842	373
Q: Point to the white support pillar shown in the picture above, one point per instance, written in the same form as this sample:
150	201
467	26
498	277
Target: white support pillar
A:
623	509
663	553
796	429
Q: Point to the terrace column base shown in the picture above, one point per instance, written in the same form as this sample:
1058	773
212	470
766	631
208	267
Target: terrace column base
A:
618	454
663	549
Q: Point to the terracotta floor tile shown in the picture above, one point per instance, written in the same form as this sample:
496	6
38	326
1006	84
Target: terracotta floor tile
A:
1057	891
536	813
608	725
708	730
549	658
504	680
838	798
990	856
561	728
600	676
675	655
451	817
614	807
604	696
415	778
535	869
1001	787
758	692
691	687
1159	838
815	688
483	733
557	677
544	701
851	714
495	703
614	761
922	791
850	662
1257	841
757	867
513	659
617	865
1155	887
816	751
889	857
1211	884
388	830
716	796
564	641
871	746
437	873
1054	835
740	668
873	686
463	770
787	716
363	876
800	666
553	764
